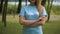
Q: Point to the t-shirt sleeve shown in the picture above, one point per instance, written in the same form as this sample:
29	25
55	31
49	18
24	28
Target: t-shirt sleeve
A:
44	12
22	12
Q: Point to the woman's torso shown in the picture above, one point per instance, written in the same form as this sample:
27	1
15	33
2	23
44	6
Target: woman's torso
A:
31	13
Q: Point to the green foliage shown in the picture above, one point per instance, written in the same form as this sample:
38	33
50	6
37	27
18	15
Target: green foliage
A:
11	9
56	10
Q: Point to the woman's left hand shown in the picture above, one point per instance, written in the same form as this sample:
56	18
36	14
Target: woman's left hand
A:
42	20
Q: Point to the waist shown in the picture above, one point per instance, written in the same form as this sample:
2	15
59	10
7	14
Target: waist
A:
32	27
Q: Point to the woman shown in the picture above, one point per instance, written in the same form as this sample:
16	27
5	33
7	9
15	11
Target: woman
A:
32	17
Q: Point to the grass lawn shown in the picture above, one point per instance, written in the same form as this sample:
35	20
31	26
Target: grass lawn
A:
13	26
52	27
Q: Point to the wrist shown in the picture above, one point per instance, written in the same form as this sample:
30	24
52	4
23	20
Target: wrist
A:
37	20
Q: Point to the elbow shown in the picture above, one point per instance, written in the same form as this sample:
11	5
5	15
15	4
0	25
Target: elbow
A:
21	22
43	23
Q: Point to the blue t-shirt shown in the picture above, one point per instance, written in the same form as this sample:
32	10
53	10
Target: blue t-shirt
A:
31	13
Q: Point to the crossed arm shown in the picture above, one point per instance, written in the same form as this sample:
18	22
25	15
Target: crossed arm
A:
38	22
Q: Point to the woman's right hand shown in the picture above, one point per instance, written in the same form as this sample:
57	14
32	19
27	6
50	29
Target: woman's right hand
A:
38	22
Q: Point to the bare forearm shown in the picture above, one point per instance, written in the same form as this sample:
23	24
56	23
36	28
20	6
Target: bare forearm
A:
39	22
28	22
23	21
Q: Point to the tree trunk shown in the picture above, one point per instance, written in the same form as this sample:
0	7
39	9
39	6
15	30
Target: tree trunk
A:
43	2
48	10
4	13
49	7
51	4
1	6
19	6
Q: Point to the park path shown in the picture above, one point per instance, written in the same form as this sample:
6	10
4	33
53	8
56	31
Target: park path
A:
10	18
55	17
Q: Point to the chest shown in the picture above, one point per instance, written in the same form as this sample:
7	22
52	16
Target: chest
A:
32	13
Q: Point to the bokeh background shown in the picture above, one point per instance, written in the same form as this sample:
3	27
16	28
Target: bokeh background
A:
9	16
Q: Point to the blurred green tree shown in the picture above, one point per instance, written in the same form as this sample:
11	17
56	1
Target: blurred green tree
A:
49	7
1	5
19	6
4	13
